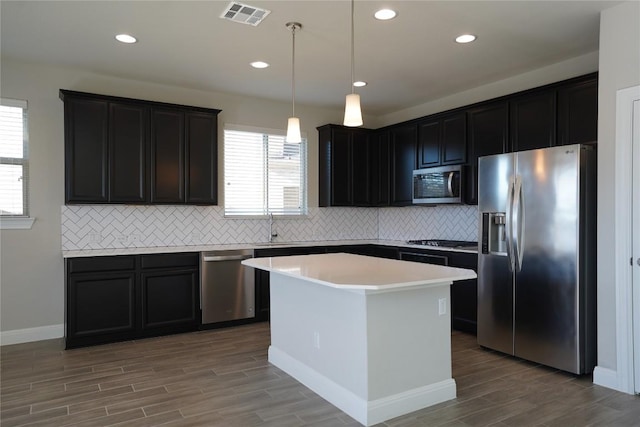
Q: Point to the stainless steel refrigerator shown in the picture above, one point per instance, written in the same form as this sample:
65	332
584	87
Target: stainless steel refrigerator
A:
537	263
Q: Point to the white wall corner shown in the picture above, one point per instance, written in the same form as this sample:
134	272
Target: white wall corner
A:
19	336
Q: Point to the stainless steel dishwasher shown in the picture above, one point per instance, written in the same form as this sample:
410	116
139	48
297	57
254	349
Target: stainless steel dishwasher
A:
227	288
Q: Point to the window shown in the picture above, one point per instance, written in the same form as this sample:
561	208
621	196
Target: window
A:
263	174
14	161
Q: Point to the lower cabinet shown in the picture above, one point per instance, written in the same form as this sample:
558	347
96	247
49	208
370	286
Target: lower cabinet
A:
464	298
464	294
116	298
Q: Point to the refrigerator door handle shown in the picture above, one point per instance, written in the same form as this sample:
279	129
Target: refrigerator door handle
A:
518	223
509	222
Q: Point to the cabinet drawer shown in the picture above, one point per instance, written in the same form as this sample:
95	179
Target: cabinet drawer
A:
190	259
105	263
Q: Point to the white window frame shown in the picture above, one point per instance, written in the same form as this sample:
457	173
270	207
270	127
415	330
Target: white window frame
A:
24	221
304	210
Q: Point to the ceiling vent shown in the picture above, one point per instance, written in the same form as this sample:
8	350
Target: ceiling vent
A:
244	14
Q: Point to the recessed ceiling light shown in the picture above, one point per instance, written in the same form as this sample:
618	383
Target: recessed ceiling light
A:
259	64
359	83
385	14
126	38
465	38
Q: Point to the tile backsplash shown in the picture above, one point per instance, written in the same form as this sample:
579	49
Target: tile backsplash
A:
122	226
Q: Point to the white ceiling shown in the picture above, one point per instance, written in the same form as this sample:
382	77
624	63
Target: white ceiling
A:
406	61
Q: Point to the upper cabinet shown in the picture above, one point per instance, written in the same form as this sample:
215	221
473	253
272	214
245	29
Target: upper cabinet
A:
403	144
442	140
345	169
532	121
120	150
578	112
359	167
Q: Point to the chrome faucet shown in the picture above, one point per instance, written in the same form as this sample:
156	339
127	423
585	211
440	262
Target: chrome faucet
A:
272	235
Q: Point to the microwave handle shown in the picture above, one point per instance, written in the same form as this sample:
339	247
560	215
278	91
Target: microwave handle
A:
450	184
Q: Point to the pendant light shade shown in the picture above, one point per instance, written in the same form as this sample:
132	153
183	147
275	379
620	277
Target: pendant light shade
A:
293	125
352	111
293	130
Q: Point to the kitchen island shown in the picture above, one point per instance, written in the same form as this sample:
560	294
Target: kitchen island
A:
372	336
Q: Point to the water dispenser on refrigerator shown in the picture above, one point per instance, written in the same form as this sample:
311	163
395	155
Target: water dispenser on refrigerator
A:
494	233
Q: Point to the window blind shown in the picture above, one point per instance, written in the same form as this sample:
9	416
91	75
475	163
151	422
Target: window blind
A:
263	174
14	165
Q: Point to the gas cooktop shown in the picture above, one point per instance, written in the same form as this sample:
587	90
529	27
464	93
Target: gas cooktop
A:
444	243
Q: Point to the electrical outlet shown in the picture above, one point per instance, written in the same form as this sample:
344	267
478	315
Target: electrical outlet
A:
316	340
442	306
95	238
135	237
121	238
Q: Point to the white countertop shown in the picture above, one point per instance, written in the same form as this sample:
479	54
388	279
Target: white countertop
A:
358	272
203	248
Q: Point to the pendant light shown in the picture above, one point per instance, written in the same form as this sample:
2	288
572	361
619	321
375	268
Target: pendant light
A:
352	111
293	125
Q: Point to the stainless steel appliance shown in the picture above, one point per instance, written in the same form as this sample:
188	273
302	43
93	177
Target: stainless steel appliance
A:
227	288
537	263
434	186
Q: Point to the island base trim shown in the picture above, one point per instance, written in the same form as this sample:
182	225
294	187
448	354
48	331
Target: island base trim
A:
365	412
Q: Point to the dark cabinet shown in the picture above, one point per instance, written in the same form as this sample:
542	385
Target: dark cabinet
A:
403	141
464	294
488	126
578	112
532	121
464	298
86	150
379	163
167	158
442	140
202	158
120	150
115	298
262	277
344	167
128	151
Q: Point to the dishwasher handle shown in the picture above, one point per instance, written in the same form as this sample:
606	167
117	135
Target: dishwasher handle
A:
214	258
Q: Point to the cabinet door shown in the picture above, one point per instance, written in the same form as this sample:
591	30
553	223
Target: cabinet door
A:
341	172
262	295
453	146
202	158
380	166
464	295
86	150
361	166
128	148
100	307
487	131
429	133
167	156
533	121
169	299
578	112
403	162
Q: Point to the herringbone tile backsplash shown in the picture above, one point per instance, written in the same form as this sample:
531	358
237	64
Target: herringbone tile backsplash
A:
122	226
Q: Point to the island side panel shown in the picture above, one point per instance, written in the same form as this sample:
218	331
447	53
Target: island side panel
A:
409	343
324	329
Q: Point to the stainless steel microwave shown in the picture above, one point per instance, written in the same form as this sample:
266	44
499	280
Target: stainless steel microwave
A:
436	186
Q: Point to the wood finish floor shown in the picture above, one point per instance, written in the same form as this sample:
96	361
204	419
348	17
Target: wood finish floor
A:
222	378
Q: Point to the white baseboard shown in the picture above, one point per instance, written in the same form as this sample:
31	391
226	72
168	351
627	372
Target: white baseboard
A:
606	377
365	412
19	336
